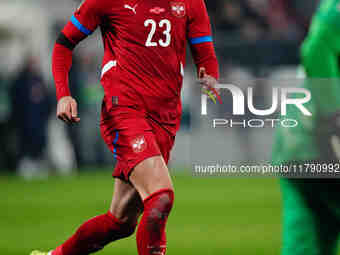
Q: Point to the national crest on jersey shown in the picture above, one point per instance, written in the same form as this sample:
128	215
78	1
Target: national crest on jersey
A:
178	9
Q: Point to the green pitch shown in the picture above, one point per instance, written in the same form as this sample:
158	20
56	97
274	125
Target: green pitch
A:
211	216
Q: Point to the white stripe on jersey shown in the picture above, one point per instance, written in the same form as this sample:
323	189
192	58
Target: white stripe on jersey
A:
108	66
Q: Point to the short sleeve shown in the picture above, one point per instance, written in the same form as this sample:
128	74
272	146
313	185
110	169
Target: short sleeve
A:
87	17
199	27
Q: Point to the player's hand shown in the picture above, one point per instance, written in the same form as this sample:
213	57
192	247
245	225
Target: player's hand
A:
67	110
209	84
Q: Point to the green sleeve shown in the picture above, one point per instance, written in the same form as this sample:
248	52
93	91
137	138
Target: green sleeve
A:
329	12
320	56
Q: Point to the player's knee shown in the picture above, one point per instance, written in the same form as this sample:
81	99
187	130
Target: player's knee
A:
160	207
127	226
129	230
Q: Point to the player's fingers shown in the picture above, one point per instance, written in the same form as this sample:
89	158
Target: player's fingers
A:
205	86
74	109
204	81
75	120
68	112
211	82
202	73
63	117
216	92
74	112
60	117
60	113
59	110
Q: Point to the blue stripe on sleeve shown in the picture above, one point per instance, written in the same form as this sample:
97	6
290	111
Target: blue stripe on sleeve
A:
114	145
202	39
78	25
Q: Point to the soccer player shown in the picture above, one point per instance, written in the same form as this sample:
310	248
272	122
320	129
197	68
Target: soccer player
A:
142	74
311	207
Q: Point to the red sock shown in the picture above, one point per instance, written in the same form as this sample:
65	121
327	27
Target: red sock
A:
151	237
94	234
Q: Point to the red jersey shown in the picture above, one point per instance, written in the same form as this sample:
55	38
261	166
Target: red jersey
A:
145	50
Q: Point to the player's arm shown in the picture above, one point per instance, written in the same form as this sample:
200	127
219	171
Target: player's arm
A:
202	47
320	57
84	21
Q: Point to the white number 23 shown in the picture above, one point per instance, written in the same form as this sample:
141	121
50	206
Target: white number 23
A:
167	32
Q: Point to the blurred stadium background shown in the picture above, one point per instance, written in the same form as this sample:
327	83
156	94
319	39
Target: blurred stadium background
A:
254	38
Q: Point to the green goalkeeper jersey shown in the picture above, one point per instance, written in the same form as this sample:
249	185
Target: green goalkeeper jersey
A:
320	54
329	12
311	208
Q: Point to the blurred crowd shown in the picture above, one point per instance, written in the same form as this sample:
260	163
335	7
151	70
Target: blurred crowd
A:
257	19
254	38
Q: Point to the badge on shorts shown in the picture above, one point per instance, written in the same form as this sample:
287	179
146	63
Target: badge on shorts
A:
178	9
138	144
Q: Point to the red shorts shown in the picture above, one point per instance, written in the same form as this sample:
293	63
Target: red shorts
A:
132	137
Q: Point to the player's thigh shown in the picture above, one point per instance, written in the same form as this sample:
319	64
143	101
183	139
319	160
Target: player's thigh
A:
151	175
126	203
130	137
141	148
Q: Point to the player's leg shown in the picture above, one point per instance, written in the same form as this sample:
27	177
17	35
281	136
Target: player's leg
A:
126	204
328	234
119	222
142	149
152	180
308	226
